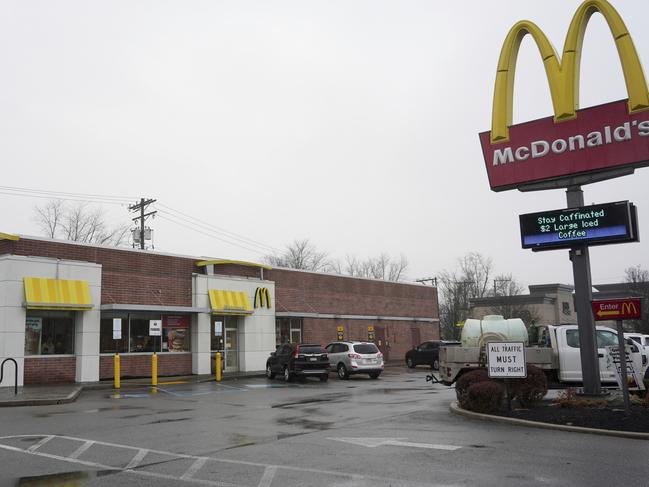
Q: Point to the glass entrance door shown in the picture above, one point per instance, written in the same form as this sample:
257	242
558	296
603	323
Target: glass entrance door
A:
225	339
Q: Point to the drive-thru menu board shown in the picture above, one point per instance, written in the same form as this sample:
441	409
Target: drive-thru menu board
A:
506	360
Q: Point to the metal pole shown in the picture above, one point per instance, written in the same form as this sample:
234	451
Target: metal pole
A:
116	375
217	367
623	371
583	296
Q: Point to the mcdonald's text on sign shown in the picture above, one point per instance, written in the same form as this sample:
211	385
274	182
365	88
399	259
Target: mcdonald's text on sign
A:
572	142
617	309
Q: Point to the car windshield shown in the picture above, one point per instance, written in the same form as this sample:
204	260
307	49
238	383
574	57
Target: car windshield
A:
308	349
365	348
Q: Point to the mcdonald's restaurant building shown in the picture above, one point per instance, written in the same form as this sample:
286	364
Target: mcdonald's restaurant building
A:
67	308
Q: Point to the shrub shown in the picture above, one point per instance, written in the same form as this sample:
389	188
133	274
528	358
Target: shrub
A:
467	380
568	398
484	397
532	389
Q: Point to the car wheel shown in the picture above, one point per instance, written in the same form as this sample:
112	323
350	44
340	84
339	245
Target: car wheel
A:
324	377
269	372
435	365
288	377
375	375
410	363
342	372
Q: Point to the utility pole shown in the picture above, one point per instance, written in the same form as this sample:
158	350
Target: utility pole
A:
433	282
141	207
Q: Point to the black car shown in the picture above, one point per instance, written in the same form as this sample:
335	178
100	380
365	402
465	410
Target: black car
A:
298	360
427	353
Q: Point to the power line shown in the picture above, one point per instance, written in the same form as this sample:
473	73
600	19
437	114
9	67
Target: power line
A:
207	234
66	196
215	229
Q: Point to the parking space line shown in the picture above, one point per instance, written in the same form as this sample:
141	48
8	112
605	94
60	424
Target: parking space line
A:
195	467
267	478
77	453
36	446
135	461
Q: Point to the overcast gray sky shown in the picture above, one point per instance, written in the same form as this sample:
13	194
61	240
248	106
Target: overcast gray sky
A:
351	123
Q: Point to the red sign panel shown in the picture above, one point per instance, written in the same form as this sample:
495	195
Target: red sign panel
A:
175	321
600	138
617	309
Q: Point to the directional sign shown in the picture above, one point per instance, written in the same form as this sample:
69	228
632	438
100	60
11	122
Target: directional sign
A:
617	309
374	442
506	360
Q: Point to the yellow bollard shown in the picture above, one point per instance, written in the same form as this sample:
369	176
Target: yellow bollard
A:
217	366
154	369
117	372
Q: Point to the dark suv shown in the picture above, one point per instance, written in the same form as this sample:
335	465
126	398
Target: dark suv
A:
298	359
427	353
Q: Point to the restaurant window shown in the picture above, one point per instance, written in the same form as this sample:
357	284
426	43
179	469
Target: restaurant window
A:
176	335
106	342
288	330
49	333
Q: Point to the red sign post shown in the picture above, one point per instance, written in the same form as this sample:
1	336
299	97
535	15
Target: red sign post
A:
617	309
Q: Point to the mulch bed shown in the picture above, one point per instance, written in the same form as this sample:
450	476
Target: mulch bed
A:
608	418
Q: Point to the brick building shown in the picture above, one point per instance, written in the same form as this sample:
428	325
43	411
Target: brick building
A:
60	303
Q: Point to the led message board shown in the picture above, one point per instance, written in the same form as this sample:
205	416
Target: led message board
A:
593	225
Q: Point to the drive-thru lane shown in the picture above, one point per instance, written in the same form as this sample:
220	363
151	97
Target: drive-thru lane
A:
392	431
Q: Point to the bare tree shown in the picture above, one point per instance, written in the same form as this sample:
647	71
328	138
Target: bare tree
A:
79	223
381	267
507	287
301	254
470	279
49	216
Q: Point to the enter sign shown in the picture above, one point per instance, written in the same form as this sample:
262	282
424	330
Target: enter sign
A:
617	309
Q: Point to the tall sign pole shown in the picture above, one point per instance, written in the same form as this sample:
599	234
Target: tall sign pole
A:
580	258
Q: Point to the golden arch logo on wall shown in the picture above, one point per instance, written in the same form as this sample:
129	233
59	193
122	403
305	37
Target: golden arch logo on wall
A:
262	298
563	74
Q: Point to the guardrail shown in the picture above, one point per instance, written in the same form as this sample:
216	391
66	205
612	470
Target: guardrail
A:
2	370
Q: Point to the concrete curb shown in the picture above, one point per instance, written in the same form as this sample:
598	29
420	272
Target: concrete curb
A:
456	409
126	384
71	397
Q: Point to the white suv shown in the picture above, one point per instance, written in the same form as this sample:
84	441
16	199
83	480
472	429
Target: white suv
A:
347	358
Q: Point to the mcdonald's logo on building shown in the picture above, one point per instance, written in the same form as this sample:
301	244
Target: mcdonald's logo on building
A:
262	298
614	136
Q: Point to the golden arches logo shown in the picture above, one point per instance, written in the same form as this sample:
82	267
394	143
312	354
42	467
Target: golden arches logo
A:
629	308
262	297
563	74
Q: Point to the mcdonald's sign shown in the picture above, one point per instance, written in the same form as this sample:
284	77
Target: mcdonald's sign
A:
601	139
617	309
262	297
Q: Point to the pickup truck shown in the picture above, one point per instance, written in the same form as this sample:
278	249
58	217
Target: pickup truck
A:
556	352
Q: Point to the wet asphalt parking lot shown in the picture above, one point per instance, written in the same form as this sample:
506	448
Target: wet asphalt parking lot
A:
393	431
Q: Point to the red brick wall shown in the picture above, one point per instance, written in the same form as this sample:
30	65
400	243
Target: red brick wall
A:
397	334
48	370
128	277
322	293
140	365
6	247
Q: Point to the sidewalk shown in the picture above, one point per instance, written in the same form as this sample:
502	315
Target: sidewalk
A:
43	395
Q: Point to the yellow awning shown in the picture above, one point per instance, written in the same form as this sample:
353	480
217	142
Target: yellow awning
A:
9	236
230	302
43	293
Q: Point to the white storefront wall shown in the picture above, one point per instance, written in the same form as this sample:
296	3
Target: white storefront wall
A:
256	331
13	269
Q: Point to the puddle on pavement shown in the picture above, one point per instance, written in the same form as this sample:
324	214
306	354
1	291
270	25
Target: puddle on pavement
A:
171	420
65	479
305	423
